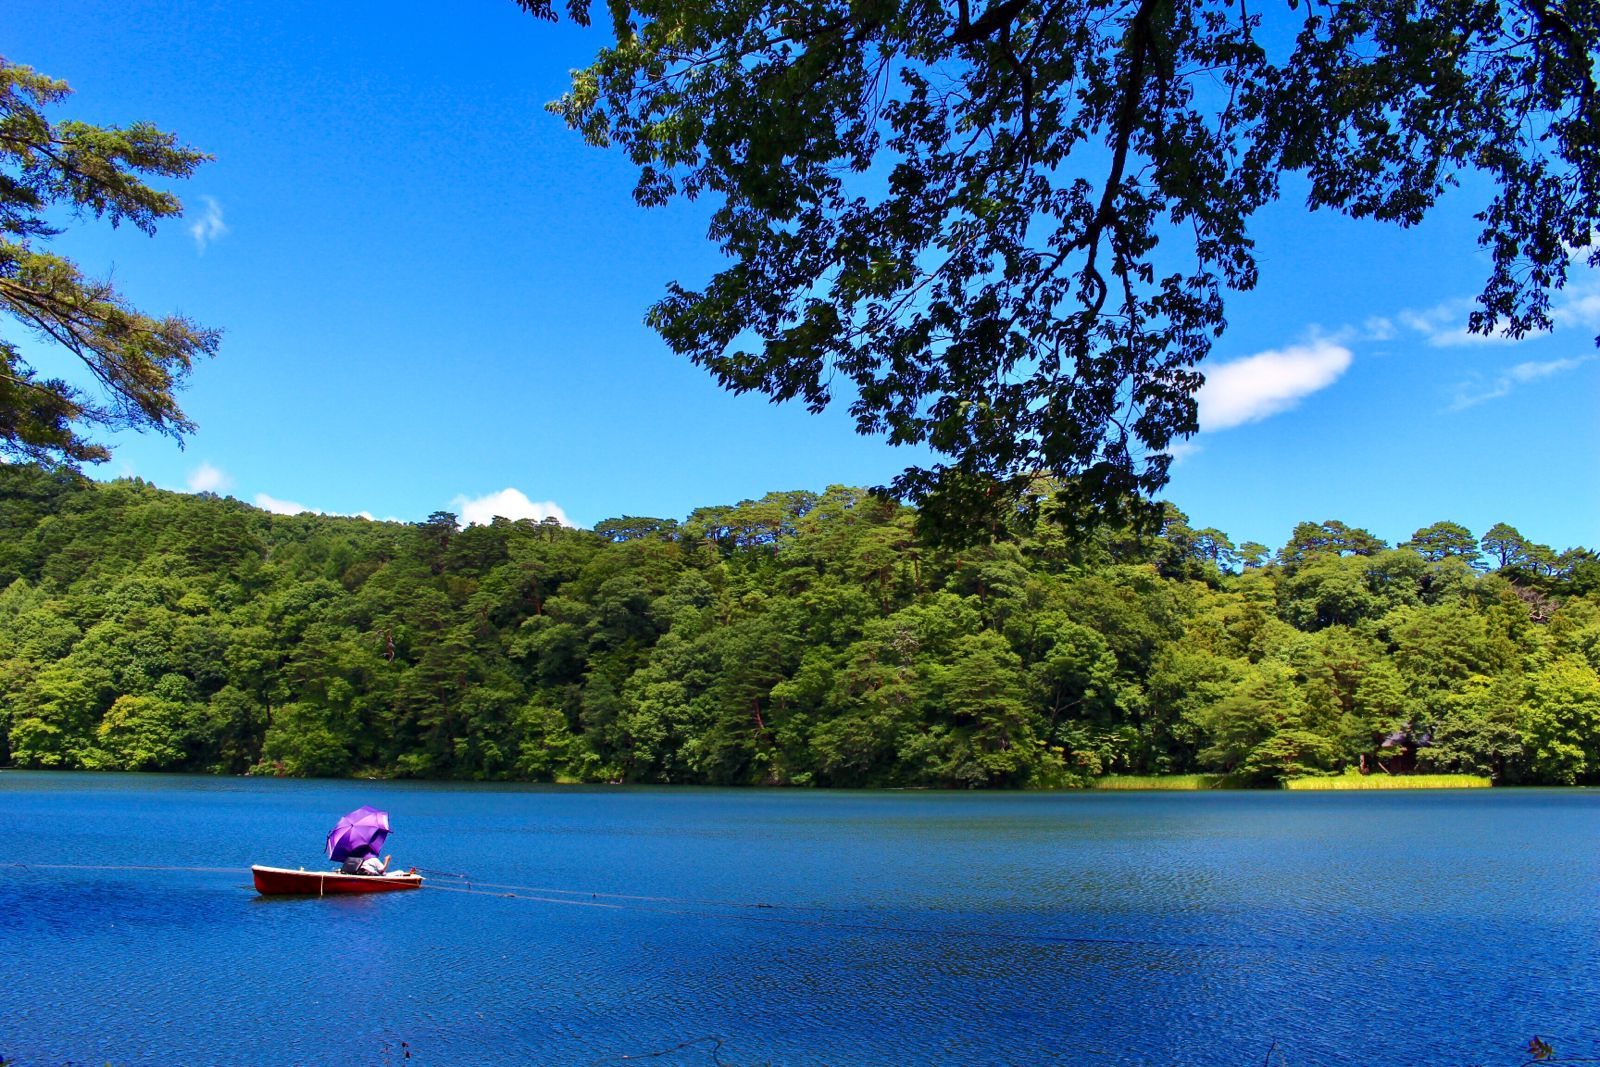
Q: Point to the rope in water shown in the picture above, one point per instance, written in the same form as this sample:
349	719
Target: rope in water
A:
626	896
116	867
686	906
940	931
520	892
523	896
694	1042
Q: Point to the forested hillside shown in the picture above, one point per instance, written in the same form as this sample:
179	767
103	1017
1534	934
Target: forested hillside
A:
800	639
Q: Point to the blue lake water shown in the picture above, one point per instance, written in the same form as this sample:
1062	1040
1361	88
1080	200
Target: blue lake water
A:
903	928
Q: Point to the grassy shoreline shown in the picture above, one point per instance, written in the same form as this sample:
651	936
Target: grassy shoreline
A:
1176	782
1391	781
1197	782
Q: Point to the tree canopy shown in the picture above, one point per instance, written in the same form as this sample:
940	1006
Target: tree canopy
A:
136	359
1005	229
802	638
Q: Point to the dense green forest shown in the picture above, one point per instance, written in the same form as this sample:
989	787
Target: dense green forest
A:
799	639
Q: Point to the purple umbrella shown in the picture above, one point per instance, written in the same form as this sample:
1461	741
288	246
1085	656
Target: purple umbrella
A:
360	832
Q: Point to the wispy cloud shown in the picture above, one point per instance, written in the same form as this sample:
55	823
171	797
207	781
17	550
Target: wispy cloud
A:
1252	388
507	503
1478	391
209	226
1579	303
1182	450
1445	324
280	507
208	479
1378	328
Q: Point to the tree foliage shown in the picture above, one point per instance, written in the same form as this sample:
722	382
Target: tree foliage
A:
136	360
1006	230
803	638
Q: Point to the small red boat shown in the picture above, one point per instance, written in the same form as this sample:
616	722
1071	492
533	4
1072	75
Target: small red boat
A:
281	881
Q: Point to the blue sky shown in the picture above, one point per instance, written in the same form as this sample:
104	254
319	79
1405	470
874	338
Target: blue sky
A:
433	296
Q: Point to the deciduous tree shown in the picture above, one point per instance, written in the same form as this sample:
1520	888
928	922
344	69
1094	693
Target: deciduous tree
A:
1005	229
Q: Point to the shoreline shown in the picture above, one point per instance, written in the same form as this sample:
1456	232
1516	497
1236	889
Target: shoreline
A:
1114	783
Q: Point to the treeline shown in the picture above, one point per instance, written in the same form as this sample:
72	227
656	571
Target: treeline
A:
800	639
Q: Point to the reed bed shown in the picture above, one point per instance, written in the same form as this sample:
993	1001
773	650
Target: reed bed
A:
1158	781
1391	781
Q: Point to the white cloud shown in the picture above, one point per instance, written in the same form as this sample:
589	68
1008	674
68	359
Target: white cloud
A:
1378	328
208	479
1579	310
294	507
1252	388
209	226
508	503
1475	392
1182	450
1579	304
279	507
1532	372
1445	326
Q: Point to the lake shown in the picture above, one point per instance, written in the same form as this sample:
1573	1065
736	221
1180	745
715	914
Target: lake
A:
893	928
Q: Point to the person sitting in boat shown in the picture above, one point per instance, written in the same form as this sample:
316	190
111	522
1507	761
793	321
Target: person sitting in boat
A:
366	863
